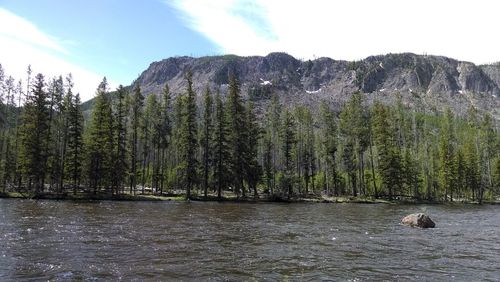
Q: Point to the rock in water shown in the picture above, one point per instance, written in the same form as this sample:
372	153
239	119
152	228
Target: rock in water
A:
418	220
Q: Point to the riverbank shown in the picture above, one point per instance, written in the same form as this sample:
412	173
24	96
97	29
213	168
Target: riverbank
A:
225	198
90	197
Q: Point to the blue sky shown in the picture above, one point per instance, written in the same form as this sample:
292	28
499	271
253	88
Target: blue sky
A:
120	38
115	38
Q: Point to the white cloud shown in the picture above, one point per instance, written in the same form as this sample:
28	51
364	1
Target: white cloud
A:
23	44
466	30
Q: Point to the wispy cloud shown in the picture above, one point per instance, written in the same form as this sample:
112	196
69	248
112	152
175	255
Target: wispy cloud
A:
19	29
350	29
22	43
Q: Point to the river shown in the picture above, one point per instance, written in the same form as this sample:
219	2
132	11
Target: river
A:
64	240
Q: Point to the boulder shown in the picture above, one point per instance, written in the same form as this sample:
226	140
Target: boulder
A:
418	220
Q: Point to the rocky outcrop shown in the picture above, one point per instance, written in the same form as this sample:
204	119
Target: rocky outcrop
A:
418	220
424	83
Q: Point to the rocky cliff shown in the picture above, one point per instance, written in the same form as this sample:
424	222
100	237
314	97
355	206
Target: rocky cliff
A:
425	83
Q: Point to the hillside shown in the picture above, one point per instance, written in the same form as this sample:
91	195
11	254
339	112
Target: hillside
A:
425	83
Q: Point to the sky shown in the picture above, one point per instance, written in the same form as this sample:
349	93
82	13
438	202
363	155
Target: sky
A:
120	38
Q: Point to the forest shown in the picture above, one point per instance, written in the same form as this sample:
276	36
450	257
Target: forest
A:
221	146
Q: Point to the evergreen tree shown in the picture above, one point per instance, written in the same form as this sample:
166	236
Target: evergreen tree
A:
165	133
207	138
221	147
236	137
74	154
273	127
354	121
447	155
149	119
329	144
34	132
497	173
471	168
120	139
253	170
288	135
389	159
154	115
137	105
99	141
55	146
188	140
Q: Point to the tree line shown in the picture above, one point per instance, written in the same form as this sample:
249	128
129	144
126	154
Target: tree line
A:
221	146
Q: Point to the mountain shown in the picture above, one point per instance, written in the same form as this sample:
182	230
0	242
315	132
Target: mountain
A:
425	83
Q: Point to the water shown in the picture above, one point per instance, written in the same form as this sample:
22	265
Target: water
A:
62	240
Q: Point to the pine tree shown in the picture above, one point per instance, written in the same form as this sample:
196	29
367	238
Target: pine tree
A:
74	154
329	144
288	135
447	155
137	105
207	138
236	121
34	132
389	159
221	147
489	147
55	139
165	133
153	114
471	168
99	141
496	173
188	140
273	127
120	139
354	121
267	161
147	127
253	170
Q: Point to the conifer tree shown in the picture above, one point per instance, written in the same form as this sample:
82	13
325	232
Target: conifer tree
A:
153	114
165	133
147	127
74	155
253	170
389	159
447	155
137	104
329	144
188	139
99	141
221	147
236	137
34	132
206	138
120	139
288	137
471	168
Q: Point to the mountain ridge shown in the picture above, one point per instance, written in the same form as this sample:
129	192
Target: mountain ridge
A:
424	82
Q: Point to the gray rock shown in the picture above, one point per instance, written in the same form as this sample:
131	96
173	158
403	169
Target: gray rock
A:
418	220
424	83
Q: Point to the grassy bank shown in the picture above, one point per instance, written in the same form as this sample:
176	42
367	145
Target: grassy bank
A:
226	198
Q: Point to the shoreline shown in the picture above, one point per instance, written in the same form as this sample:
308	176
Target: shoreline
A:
86	197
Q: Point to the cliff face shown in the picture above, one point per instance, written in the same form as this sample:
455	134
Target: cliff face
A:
426	83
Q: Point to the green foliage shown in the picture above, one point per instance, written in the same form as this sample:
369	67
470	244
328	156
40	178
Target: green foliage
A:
288	135
188	139
285	151
34	134
99	142
235	114
206	139
222	155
